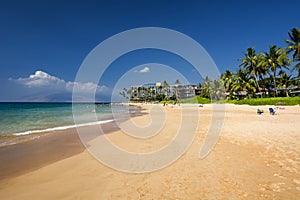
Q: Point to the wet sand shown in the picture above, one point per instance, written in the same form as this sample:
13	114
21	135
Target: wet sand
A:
256	157
40	150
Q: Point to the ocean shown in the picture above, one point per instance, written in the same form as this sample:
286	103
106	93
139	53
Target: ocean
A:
25	118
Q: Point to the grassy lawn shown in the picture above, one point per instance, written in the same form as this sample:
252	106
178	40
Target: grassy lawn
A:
197	100
288	101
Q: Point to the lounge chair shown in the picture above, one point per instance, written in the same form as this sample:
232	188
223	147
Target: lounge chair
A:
272	111
260	111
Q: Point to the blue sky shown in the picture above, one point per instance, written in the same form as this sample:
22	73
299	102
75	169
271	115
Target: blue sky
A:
56	36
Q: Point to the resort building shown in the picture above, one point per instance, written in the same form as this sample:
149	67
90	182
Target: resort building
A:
183	91
151	91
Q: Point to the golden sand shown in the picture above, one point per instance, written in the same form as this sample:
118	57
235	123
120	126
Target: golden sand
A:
256	157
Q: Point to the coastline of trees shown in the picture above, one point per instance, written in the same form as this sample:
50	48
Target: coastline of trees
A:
272	73
265	74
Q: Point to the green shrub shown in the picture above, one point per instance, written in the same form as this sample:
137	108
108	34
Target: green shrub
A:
202	100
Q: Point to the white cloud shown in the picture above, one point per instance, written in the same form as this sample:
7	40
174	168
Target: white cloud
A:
41	79
144	70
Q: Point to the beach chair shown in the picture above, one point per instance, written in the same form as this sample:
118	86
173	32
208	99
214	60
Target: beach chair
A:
272	111
260	111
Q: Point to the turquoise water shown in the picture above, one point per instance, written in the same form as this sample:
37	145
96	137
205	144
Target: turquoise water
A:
27	117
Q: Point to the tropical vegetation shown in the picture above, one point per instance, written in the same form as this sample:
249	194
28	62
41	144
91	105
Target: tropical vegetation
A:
271	73
261	78
266	74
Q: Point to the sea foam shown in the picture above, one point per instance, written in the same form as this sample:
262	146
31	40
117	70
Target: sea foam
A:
63	127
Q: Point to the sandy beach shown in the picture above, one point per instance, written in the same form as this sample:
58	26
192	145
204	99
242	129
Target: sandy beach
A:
255	157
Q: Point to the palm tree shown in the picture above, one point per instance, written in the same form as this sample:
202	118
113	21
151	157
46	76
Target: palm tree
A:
123	93
206	88
217	90
276	58
177	82
244	82
285	81
294	46
159	89
152	92
228	79
254	65
165	86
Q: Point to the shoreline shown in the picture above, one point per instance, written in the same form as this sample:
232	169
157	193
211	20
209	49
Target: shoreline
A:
46	146
44	149
15	138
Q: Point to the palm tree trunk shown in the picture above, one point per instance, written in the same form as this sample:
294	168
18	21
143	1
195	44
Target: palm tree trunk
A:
275	86
258	86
